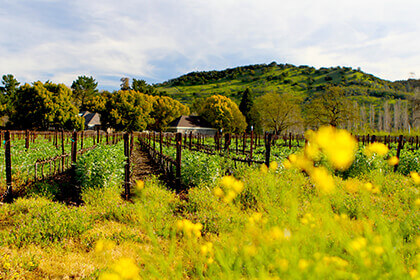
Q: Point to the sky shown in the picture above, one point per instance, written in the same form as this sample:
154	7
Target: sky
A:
158	40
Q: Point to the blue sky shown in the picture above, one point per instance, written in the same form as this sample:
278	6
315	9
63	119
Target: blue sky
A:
157	40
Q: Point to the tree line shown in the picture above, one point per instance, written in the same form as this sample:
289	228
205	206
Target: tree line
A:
138	106
43	106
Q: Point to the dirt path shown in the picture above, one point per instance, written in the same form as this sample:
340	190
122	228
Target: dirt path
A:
143	166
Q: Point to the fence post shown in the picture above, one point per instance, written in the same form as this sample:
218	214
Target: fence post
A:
8	196
127	166
161	143
190	140
400	145
417	142
227	142
244	144
268	137
27	139
290	140
74	149
178	160
252	141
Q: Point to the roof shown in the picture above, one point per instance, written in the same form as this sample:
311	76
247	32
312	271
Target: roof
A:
91	119
190	122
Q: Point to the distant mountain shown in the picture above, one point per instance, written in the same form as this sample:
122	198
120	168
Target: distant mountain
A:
303	80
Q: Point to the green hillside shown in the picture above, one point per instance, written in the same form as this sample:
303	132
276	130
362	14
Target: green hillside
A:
302	80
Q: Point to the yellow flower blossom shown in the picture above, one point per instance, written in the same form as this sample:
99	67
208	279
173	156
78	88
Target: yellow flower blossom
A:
416	177
376	148
104	245
109	276
218	192
139	185
378	250
126	268
413	273
417	202
283	264
322	180
273	166
263	168
393	161
189	229
303	264
358	244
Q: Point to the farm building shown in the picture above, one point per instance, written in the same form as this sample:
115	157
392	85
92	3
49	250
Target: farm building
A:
92	120
194	124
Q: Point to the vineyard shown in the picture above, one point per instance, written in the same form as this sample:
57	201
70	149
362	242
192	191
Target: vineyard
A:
235	206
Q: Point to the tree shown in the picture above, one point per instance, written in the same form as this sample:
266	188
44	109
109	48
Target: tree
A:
278	112
246	108
42	106
329	107
165	110
143	87
125	83
127	110
84	89
223	113
8	93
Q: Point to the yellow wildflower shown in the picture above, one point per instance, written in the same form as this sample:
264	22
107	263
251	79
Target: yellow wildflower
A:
413	273
417	202
416	177
358	244
238	186
303	264
322	180
368	186
273	166
378	250
126	268
287	164
109	276
139	185
263	168
378	148
103	245
227	181
393	161
283	264
218	192
312	151
250	250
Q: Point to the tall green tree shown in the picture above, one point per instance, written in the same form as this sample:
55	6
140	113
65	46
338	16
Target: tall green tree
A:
165	110
143	87
278	112
84	89
125	83
42	106
246	108
8	93
127	110
330	107
223	113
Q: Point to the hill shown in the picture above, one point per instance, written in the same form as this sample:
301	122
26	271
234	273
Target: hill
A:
273	77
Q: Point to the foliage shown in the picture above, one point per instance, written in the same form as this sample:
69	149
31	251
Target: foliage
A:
246	109
143	87
8	93
127	110
278	112
329	107
84	90
43	106
165	110
222	113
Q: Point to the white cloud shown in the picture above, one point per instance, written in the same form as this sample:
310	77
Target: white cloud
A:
60	40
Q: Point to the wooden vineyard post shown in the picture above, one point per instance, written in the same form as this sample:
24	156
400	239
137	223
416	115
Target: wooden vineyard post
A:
236	138
190	144
178	161
290	140
74	153
252	142
97	135
27	139
161	143
227	142
268	137
400	144
127	166
244	144
62	150
8	161
417	142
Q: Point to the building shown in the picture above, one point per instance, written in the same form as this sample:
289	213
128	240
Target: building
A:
92	120
194	124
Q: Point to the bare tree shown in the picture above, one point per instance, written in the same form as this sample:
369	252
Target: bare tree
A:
387	117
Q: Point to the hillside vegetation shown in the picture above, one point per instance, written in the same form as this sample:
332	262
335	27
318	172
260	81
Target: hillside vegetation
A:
302	80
